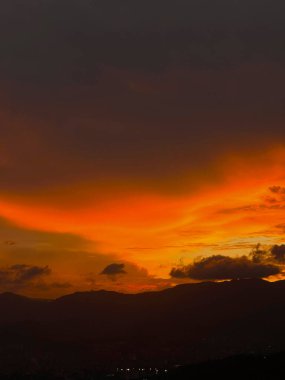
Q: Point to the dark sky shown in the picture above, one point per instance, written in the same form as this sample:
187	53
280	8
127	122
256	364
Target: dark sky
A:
118	84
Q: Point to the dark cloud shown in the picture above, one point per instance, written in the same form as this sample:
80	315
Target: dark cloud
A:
220	267
122	84
258	264
26	273
114	269
277	189
21	275
274	255
68	41
278	253
259	255
133	279
110	131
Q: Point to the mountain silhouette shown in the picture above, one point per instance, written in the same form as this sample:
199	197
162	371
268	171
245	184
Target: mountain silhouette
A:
184	324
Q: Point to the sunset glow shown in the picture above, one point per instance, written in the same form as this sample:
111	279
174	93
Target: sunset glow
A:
137	142
228	215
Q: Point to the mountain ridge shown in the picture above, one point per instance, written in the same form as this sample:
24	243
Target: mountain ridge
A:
183	324
15	295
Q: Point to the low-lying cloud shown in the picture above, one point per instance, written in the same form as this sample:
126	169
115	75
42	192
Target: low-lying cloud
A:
21	275
259	263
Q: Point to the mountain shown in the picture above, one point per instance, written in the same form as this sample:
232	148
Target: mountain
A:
246	367
184	324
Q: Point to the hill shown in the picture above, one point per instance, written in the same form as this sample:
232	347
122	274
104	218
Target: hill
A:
185	324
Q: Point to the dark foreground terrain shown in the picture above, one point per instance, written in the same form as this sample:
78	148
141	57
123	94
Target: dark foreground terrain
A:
263	367
102	331
247	367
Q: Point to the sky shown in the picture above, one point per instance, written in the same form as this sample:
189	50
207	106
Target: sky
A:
139	139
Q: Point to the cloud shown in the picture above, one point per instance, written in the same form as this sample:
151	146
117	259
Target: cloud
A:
76	264
278	253
101	93
27	272
277	189
181	38
137	280
219	267
274	199
114	269
21	275
274	255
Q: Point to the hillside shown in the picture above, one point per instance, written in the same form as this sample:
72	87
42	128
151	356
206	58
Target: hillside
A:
184	324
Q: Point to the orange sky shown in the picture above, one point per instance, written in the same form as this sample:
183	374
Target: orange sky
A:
229	215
